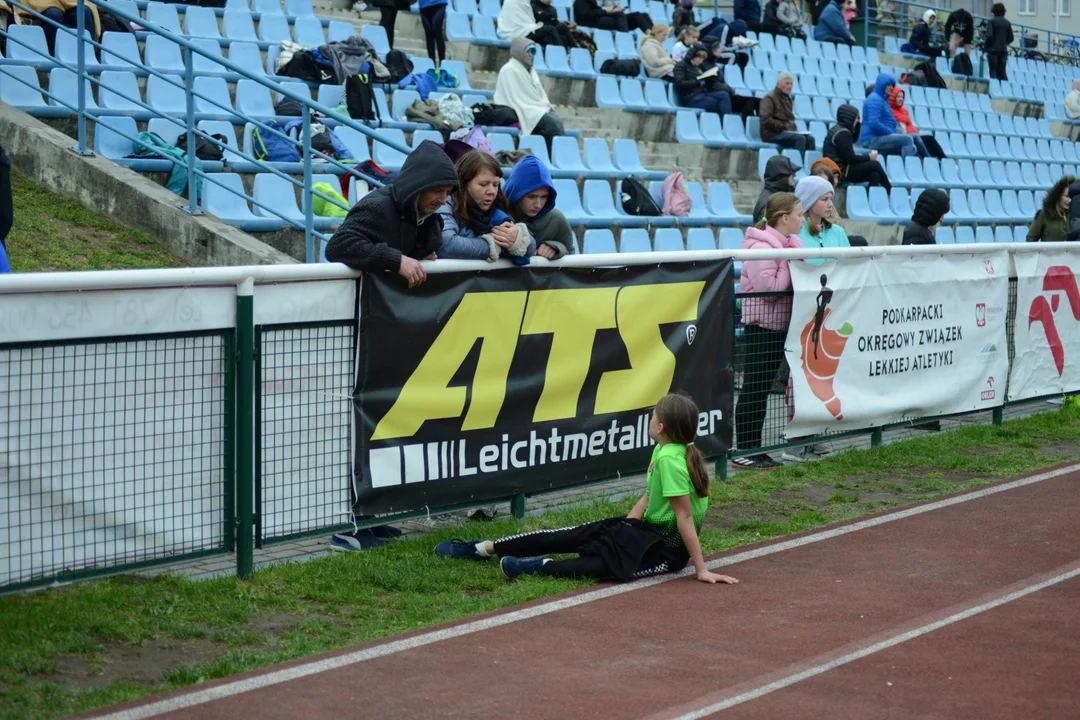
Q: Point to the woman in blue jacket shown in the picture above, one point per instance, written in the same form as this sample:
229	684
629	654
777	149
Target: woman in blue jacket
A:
879	123
831	26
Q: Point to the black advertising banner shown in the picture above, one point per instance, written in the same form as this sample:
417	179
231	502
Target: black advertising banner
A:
479	385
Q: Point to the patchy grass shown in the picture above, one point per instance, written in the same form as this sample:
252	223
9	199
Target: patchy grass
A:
54	232
93	644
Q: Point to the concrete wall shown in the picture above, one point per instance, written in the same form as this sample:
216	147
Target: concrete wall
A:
45	156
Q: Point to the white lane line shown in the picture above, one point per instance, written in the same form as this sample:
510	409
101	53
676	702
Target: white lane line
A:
276	677
825	663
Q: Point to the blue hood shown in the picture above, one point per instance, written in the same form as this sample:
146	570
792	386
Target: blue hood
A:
882	82
529	175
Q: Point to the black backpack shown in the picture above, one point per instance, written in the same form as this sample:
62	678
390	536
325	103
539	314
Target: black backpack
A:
636	199
630	68
204	148
399	65
287	107
360	97
494	115
961	64
931	75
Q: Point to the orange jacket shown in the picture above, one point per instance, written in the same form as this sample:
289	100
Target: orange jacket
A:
903	117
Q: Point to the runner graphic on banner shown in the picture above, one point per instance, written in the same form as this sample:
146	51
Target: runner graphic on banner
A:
479	385
1046	333
888	339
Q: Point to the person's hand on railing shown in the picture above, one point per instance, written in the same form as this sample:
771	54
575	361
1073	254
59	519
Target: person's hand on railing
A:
505	235
412	271
546	251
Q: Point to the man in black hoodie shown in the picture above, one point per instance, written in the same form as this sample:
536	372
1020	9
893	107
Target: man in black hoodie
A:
839	147
779	177
999	35
960	29
396	226
930	209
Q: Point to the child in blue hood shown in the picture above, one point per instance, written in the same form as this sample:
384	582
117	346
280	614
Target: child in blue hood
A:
531	197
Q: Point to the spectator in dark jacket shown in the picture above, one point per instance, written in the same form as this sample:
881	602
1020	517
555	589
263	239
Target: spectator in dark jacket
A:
778	117
999	36
553	32
930	209
959	29
749	11
840	148
831	27
785	16
779	177
1051	223
697	93
396	226
924	35
609	15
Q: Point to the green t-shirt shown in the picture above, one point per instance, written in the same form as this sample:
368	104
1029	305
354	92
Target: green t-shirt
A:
668	477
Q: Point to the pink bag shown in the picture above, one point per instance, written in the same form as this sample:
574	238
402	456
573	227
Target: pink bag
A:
478	140
676	200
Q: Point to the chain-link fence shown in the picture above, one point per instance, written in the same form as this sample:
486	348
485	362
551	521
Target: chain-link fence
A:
304	427
113	452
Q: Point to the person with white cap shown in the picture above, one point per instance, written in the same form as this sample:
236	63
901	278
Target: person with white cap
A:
924	35
818	231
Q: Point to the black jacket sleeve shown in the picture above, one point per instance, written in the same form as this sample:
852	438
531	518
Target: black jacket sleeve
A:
358	244
685	83
586	12
845	148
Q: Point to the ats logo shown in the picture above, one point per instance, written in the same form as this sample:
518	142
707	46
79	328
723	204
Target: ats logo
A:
988	394
1058	279
821	350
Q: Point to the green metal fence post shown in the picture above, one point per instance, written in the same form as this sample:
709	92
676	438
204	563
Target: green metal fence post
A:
721	468
999	413
245	431
517	505
875	438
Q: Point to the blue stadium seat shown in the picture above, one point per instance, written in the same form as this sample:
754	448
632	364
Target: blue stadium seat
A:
1042	176
686	128
201	22
329	95
386	156
712	131
309	31
763	159
26	45
164	16
238	25
669	240
607	92
735	133
967	173
581	66
722	206
656	97
900	204
949	173
263	7
700	238
858	205
1027	171
274	28
1003	234
339	30
632	241
299	8
120	52
466	7
558	62
1010	203
894	168
248	56
879	206
253	100
626	158
356	141
400	102
538	145
109	142
600	205
625	47
215	102
207	65
597	158
699	212
278	197
65	89
932	172
567	158
965	235
163	55
1020	233
977	207
568	201
1015	178
376	35
597	242
226	129
458	28
958	208
229	204
944	236
117	87
632	97
457	67
491	8
984	234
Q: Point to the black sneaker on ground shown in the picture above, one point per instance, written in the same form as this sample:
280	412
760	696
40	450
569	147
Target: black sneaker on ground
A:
755	462
513	567
462	549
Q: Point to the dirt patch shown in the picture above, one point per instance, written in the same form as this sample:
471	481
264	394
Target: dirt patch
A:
1062	449
729	517
143	665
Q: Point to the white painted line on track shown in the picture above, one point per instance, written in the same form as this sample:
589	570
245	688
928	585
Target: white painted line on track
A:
830	661
276	677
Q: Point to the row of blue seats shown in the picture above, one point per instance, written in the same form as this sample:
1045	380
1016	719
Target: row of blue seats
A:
965	235
664	240
596	206
292	8
969	207
992	123
223	196
710	130
26	43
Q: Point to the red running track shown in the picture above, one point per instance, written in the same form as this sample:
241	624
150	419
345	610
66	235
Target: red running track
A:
964	607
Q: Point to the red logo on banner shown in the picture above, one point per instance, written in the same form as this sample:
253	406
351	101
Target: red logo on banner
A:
989	394
988	265
980	314
1058	278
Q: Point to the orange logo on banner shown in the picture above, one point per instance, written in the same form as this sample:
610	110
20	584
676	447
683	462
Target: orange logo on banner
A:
821	351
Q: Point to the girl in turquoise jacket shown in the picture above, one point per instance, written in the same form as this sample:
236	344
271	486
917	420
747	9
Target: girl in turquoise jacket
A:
816	196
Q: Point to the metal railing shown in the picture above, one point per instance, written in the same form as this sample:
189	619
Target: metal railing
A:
172	413
194	172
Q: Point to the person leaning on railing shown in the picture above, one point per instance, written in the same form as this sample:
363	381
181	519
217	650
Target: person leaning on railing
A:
396	226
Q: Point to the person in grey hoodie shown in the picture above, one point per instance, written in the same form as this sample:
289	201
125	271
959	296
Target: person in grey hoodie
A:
779	177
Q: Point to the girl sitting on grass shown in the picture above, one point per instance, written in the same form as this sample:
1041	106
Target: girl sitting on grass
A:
660	535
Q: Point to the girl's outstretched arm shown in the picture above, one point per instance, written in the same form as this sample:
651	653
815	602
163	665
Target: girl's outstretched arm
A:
639	508
685	520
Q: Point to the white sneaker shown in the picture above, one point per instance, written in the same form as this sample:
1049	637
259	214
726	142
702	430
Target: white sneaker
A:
799	454
819	449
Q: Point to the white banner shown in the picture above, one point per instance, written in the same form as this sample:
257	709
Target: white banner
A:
1047	328
898	338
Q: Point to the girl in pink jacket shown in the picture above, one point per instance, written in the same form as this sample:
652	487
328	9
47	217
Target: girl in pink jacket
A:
765	321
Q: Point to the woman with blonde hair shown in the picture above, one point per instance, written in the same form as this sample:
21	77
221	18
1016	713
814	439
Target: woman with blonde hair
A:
658	63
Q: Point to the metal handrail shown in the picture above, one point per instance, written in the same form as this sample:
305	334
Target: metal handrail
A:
194	173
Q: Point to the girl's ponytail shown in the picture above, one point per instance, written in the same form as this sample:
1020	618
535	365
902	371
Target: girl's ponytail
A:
695	464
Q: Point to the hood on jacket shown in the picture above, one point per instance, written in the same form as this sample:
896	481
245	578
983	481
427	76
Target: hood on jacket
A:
768	239
927	15
529	175
710	43
883	81
930	207
518	46
426	167
847	116
895	96
778	172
